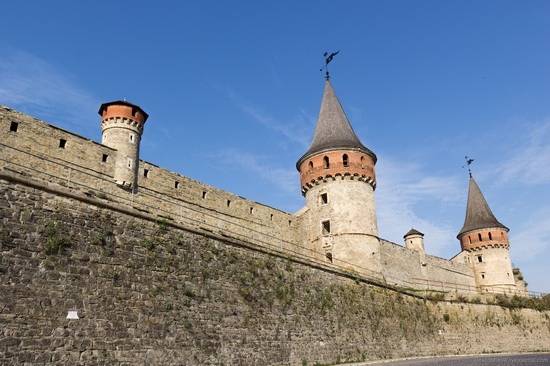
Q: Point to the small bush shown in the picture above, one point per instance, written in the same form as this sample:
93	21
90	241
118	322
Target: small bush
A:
113	274
187	324
101	237
461	298
56	241
162	227
189	292
246	294
150	244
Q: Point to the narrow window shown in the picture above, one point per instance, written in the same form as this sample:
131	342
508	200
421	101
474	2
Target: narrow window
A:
145	173
13	126
479	258
289	222
131	137
62	143
310	167
176	184
329	256
345	159
325	227
228	203
410	241
203	194
129	163
362	160
469	239
104	158
483	275
323	199
490	236
325	162
479	236
502	234
271	217
251	210
134	112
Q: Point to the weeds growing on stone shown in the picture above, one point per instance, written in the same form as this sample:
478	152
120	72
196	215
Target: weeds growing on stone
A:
55	240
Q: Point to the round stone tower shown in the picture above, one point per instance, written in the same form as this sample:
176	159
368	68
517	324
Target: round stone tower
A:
122	126
338	181
485	240
414	240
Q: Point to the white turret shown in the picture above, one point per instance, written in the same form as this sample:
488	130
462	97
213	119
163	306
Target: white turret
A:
122	126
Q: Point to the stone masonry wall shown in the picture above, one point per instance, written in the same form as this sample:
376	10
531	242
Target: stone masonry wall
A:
157	292
408	268
85	166
349	212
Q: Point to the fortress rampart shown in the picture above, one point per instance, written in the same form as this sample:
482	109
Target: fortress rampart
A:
40	151
173	271
87	167
157	292
407	266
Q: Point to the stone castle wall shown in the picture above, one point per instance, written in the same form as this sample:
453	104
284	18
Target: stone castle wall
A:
409	268
163	293
36	150
183	273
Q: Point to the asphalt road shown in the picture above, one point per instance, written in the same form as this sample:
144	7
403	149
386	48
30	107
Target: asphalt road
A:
533	359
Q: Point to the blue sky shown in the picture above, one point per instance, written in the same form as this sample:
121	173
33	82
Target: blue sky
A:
233	90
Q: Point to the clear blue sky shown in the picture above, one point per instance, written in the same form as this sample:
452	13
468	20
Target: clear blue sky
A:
233	90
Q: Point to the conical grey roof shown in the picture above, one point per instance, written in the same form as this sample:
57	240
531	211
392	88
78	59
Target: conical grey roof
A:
478	213
333	130
413	231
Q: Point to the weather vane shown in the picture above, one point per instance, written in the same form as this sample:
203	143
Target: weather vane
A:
468	163
328	58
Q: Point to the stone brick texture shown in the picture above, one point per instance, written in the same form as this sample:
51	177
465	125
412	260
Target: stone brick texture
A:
353	238
33	151
149	291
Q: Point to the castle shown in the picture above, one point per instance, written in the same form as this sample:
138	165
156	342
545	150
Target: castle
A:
109	259
336	228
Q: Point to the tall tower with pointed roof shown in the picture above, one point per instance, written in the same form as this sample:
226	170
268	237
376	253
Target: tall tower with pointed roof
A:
338	181
485	240
122	126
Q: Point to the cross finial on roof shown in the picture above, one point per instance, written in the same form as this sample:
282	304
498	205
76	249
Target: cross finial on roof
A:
328	58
